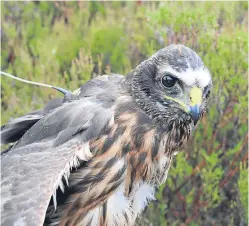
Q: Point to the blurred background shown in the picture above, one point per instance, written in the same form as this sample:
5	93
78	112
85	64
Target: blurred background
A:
67	43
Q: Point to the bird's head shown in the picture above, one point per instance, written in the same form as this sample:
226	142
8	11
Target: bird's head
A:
172	86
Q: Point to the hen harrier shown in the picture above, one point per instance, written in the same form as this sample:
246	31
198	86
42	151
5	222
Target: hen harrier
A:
97	157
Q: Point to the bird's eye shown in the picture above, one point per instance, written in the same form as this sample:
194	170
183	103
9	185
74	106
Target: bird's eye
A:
169	81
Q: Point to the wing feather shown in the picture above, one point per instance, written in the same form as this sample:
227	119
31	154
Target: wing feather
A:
33	169
57	142
14	130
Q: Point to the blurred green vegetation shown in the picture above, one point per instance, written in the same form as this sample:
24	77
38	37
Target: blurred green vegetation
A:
67	43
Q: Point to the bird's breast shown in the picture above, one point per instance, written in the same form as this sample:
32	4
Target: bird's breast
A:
130	159
140	143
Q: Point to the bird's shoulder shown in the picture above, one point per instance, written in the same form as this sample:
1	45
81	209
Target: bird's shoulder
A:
101	85
88	113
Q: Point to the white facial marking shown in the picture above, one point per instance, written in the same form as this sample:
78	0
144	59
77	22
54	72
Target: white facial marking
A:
190	77
200	77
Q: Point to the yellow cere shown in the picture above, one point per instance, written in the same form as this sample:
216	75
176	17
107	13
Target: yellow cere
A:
195	96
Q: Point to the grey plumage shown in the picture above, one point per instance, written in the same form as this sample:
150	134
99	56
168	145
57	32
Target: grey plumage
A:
14	130
117	132
40	147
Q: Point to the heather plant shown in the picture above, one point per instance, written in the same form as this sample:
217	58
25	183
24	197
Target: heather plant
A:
67	43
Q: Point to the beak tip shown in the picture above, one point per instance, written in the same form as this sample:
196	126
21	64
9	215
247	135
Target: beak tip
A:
195	112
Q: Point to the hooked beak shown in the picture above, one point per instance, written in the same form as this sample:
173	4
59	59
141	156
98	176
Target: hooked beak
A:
195	103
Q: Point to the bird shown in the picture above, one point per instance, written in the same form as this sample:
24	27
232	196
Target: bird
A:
96	157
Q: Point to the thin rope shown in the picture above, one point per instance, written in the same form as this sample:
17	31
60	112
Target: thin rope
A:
64	91
24	80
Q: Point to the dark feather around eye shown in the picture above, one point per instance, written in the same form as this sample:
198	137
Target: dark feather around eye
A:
168	81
